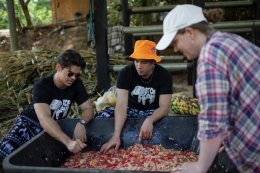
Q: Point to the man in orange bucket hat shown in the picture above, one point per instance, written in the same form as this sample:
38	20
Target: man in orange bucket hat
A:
144	89
145	49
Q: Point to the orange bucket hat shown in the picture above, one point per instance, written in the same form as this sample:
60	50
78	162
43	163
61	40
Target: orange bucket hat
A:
145	50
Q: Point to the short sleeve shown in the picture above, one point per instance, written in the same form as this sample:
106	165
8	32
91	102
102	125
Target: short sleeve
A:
166	83
123	78
41	91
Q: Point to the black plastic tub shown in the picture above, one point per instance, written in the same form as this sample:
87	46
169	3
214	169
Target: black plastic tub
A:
44	154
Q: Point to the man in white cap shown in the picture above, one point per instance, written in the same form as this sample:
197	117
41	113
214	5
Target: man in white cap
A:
227	86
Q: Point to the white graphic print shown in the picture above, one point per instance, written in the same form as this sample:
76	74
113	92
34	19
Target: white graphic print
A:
60	108
144	94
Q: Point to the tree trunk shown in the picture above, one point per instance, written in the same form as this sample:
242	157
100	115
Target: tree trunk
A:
26	12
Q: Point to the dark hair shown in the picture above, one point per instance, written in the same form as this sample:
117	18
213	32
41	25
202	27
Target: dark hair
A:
71	57
212	16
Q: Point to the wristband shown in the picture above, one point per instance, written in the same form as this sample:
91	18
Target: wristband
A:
83	122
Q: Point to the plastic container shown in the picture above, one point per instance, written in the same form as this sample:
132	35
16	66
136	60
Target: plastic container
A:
43	154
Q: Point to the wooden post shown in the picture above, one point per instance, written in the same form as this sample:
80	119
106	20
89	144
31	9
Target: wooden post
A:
12	25
126	23
257	17
100	21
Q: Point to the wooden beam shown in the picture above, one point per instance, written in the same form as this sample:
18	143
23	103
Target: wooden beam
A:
233	30
172	67
151	9
166	8
222	25
228	4
100	20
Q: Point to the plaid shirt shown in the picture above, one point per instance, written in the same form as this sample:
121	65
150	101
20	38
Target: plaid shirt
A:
115	39
228	88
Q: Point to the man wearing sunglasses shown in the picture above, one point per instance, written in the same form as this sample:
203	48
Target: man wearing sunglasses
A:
144	89
52	99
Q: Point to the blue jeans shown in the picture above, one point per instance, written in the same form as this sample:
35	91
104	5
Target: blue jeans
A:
22	131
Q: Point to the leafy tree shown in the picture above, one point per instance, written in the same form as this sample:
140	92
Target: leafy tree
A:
39	10
3	14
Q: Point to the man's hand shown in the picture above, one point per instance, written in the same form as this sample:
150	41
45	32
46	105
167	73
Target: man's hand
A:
80	132
146	130
76	146
113	142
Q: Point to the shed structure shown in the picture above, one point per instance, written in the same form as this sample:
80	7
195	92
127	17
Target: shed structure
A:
66	10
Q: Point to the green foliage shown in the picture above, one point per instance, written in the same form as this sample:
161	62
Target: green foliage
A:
113	9
3	14
40	12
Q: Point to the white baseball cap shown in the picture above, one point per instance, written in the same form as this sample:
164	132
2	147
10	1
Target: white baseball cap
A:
180	17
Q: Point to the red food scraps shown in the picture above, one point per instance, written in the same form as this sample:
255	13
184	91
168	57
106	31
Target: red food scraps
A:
137	157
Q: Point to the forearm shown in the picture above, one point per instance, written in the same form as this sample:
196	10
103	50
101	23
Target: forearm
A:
208	151
87	115
120	118
87	111
53	129
50	125
158	114
163	110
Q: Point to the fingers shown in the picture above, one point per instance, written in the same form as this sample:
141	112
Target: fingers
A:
81	144
140	136
76	146
106	148
116	147
83	138
146	130
113	142
144	135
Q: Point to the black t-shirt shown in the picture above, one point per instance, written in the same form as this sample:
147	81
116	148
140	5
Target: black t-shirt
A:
144	94
59	100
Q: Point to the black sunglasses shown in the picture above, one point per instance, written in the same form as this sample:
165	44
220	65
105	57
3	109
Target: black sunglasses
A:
70	74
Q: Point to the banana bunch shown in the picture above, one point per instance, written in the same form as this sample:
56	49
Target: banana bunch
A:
185	105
